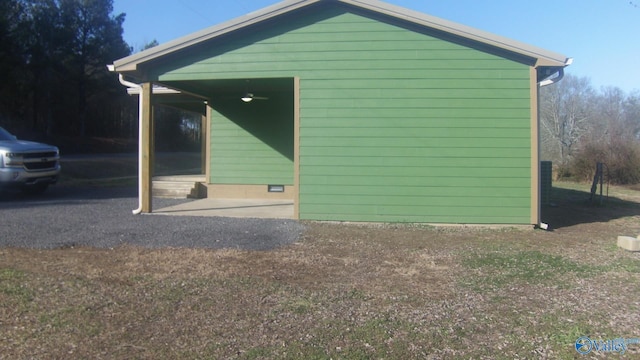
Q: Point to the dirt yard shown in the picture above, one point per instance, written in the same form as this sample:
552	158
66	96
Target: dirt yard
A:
344	291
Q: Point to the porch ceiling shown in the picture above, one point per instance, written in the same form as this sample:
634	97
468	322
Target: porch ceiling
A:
182	102
223	90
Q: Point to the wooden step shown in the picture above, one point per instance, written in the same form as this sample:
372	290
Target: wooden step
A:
178	186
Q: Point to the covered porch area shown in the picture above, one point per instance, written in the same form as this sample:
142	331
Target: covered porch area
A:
200	205
249	147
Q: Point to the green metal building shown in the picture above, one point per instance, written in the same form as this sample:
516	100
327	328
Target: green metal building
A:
358	110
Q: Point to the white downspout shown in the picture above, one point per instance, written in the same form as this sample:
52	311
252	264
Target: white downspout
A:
140	105
546	82
543	83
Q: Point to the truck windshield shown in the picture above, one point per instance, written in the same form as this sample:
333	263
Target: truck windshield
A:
5	135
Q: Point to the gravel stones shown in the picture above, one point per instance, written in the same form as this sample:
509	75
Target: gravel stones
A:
101	217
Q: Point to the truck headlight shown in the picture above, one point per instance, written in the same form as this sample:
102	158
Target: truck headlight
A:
13	159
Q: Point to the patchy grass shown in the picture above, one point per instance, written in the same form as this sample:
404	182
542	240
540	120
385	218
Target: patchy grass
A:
500	269
12	286
344	291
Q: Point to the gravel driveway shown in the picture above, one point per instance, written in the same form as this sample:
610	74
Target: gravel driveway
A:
101	217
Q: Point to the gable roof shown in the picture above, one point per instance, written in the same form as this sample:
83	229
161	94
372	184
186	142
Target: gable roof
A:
540	57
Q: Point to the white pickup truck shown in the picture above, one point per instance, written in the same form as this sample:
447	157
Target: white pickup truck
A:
27	165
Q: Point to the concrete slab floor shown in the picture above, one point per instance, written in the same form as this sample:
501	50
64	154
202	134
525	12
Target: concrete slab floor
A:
243	208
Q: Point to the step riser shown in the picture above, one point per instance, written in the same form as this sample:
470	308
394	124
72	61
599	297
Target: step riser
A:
171	194
175	189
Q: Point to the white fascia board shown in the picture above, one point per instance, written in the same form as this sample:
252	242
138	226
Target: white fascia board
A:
157	90
544	57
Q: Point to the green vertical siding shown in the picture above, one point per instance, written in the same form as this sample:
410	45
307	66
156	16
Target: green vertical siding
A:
395	125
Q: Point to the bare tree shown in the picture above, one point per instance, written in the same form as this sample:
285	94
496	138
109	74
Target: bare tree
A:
608	114
566	114
616	116
632	114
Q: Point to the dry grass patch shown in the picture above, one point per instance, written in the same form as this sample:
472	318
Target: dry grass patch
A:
343	291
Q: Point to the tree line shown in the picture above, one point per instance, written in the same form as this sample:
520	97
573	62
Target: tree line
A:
53	56
581	126
54	83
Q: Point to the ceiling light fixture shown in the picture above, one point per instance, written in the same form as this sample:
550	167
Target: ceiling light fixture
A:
247	97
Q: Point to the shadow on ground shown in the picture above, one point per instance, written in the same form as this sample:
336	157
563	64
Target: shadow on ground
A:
57	193
573	207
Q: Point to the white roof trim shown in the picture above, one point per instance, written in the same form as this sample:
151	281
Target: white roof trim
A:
543	57
130	63
158	90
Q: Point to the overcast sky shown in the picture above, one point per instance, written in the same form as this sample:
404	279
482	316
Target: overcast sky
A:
603	36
